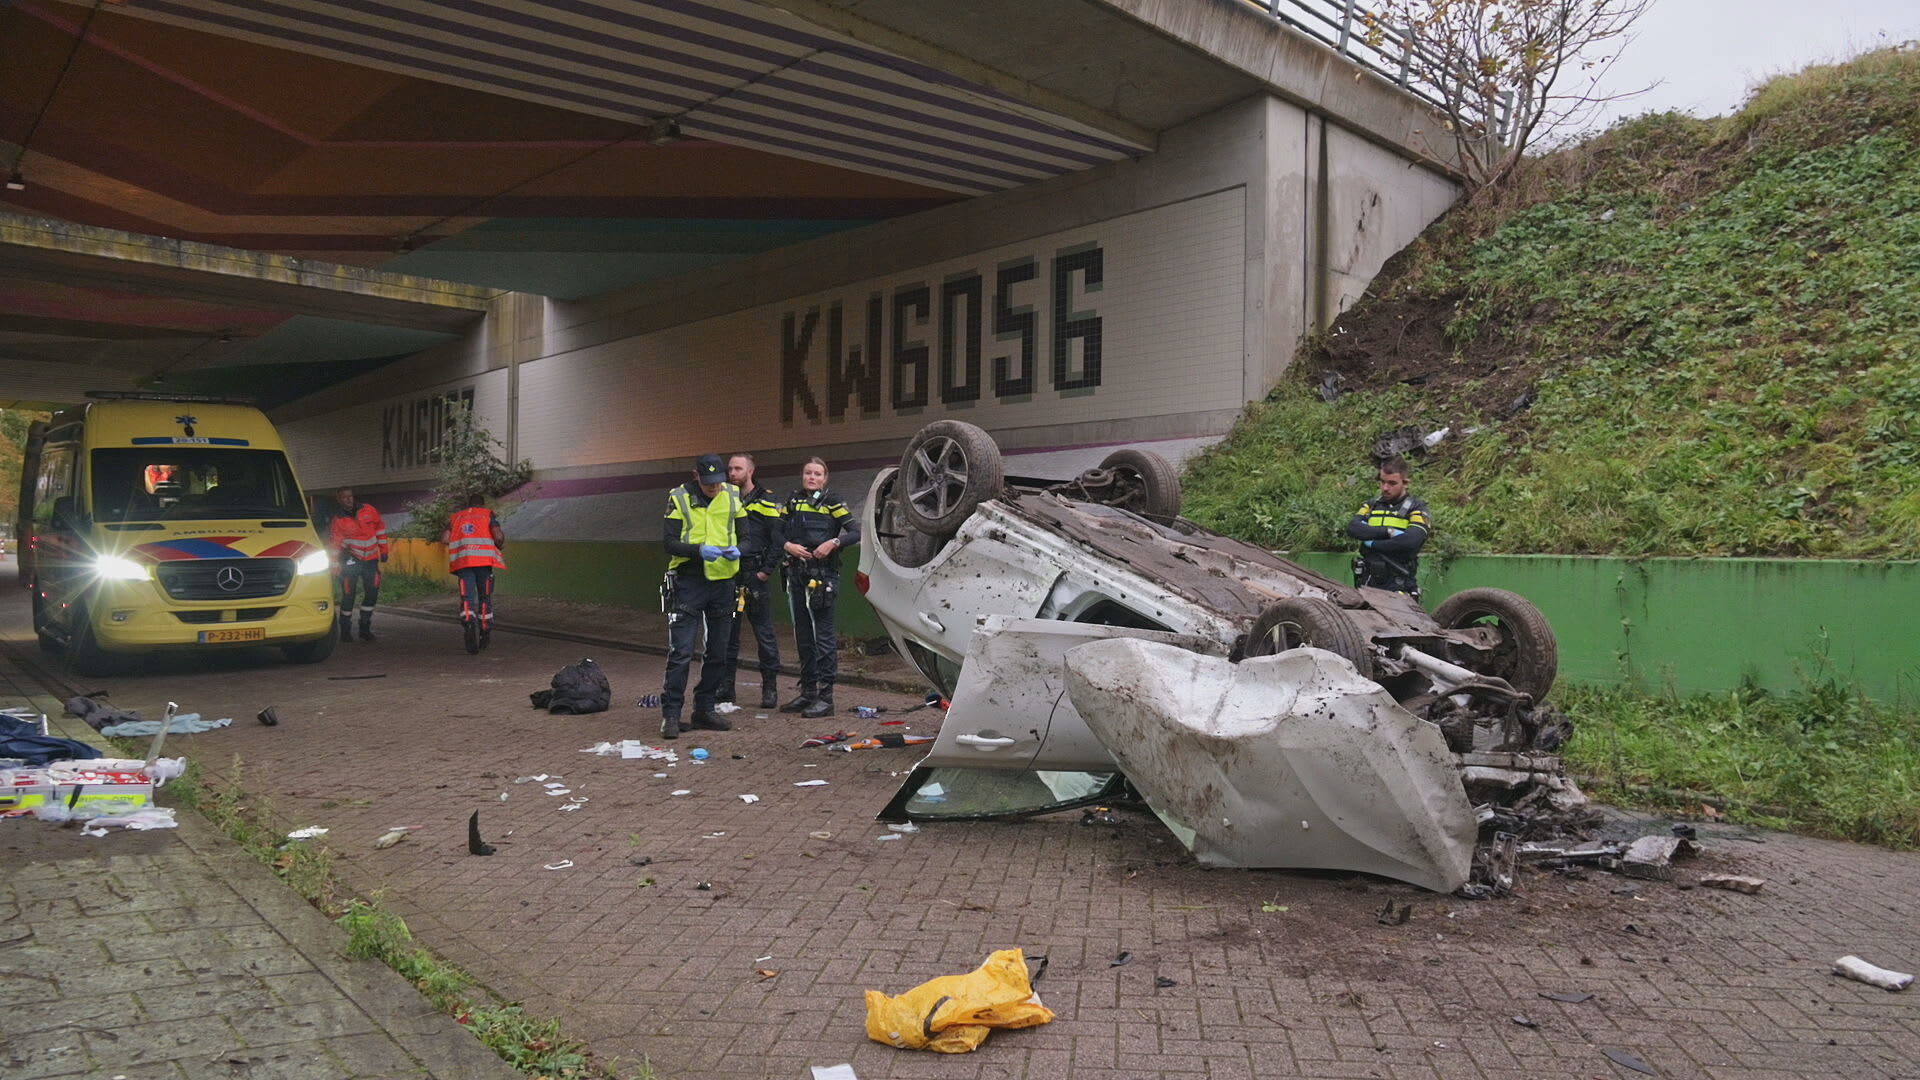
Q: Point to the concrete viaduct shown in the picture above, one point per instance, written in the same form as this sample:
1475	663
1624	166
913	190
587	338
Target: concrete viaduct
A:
632	231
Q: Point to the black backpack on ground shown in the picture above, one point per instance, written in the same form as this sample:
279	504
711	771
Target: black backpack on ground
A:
577	688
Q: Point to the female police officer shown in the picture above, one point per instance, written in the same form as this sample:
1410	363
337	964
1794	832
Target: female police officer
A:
817	524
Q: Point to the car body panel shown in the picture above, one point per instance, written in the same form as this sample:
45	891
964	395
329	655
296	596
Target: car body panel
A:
1292	760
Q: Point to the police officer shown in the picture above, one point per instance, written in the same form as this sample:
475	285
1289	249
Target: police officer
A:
760	553
702	538
475	546
1391	530
816	524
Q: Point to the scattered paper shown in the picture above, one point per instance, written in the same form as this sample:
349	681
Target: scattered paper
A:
811	783
561	865
307	833
726	707
749	799
683	791
889	836
529	779
833	1072
904	826
559	791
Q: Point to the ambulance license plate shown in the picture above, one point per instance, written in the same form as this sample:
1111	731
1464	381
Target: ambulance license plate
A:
251	633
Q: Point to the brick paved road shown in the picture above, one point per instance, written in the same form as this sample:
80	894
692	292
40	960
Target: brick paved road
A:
643	962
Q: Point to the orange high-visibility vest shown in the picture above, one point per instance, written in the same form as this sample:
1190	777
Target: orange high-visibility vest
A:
470	540
360	536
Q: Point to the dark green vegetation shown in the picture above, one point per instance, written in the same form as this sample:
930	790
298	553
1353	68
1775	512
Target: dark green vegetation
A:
1681	337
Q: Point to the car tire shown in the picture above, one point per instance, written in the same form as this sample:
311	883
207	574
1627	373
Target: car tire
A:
949	468
1152	483
1298	620
84	655
1528	656
311	652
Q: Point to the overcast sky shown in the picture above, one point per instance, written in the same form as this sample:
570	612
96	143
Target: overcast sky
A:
1706	54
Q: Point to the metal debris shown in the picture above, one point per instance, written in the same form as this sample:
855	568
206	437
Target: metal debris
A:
1733	883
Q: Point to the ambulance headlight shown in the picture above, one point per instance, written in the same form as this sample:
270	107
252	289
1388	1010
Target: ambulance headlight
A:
118	568
316	563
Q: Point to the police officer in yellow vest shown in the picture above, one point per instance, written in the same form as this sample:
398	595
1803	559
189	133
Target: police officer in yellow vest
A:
702	538
1391	529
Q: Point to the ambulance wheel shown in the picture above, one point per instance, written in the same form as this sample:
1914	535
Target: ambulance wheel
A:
48	642
311	652
1144	482
950	468
84	655
1527	656
1299	621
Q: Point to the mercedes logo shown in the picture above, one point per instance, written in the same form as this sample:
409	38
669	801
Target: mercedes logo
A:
229	579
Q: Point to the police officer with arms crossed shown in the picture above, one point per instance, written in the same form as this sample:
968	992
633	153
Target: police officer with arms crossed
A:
760	543
1391	530
702	538
817	525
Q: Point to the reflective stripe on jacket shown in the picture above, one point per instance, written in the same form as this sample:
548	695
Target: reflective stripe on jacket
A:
717	523
470	540
360	536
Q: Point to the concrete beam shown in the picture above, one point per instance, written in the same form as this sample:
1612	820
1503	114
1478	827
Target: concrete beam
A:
40	249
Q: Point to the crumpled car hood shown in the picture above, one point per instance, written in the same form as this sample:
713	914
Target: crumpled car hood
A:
1279	761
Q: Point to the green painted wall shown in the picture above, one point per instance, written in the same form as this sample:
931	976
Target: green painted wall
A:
1689	624
603	572
1706	624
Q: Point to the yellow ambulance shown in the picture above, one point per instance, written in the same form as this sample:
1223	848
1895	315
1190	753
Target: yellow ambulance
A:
153	522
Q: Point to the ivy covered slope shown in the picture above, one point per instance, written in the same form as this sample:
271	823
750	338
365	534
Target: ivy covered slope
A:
1681	337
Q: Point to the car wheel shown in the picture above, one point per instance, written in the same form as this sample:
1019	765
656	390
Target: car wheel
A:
312	652
1298	621
1147	483
950	468
84	655
1527	656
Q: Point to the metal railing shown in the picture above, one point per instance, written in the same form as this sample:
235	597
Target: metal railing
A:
1347	27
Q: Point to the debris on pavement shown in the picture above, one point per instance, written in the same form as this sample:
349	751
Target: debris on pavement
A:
1860	971
904	826
954	1014
95	713
577	689
683	791
1525	1021
563	864
1569	998
308	833
475	845
833	1072
1732	883
1628	1061
699	753
726	707
394	835
811	783
1651	857
889	836
826	740
139	820
890	740
1394	915
749	799
1121	960
268	717
188	723
1161	982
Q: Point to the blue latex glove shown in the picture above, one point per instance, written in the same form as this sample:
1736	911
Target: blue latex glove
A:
730	552
1395	532
1366	543
709	552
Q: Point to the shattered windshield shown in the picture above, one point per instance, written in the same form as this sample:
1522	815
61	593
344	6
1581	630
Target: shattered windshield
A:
189	483
980	793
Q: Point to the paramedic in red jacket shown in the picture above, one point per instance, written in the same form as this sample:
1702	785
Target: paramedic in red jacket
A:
475	542
358	540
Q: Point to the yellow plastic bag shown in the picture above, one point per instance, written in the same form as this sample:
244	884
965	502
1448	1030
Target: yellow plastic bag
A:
954	1013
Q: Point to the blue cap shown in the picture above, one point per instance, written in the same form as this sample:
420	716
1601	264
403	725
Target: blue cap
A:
710	469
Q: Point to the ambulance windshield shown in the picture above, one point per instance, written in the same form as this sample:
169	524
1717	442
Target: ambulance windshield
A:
187	483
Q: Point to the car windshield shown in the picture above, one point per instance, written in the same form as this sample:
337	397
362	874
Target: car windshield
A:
192	483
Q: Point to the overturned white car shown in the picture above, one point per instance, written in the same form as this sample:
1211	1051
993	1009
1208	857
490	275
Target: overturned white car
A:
1089	638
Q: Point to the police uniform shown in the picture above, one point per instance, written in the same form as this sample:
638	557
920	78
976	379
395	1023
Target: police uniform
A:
474	540
1387	561
811	518
703	593
760	542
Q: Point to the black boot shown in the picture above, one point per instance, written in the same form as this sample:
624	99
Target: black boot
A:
822	706
706	721
801	703
769	695
670	726
725	695
366	626
346	628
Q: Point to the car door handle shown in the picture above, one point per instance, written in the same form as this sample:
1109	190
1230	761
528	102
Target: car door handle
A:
981	742
937	625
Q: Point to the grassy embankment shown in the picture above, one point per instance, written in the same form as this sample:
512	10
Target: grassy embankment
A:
1681	337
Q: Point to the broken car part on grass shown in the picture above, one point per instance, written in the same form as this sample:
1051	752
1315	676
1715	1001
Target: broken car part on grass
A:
1089	638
